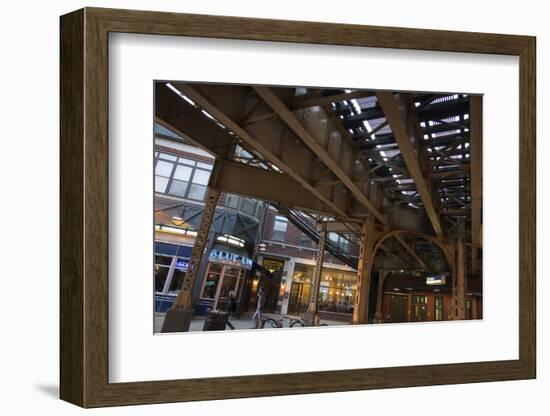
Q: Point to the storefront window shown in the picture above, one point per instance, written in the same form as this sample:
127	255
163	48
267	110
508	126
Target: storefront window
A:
211	281
179	274
220	280
162	268
337	291
171	263
177	280
229	282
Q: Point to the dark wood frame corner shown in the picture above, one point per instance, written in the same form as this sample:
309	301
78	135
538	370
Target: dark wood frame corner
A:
84	207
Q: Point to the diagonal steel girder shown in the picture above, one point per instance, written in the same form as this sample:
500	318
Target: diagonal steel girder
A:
187	121
476	103
177	115
309	101
260	146
397	124
294	124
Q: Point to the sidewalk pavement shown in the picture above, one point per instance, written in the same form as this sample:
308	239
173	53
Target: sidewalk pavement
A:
244	323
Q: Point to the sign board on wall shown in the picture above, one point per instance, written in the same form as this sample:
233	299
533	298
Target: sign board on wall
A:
226	257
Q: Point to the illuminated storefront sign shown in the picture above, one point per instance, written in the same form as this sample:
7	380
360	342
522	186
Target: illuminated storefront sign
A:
182	264
225	257
437	279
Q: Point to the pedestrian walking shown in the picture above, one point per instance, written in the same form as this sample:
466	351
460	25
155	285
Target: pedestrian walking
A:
260	301
230	308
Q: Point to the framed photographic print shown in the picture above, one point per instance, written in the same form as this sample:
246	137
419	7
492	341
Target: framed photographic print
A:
256	207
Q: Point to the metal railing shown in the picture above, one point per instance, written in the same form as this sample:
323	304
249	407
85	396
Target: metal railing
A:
306	225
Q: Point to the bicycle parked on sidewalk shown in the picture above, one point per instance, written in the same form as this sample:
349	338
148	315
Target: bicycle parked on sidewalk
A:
271	323
293	322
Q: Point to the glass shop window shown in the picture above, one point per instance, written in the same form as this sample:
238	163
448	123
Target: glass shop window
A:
162	268
230	282
179	274
337	291
211	280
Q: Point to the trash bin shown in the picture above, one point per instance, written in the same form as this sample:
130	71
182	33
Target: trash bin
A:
215	321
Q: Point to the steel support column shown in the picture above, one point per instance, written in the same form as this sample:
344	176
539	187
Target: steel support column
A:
378	316
311	317
179	317
399	129
459	289
476	177
361	308
473	299
410	316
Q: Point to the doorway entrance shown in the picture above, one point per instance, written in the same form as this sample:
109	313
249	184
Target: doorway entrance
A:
398	308
299	298
272	286
420	308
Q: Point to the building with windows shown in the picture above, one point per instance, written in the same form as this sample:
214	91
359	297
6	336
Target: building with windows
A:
292	253
182	172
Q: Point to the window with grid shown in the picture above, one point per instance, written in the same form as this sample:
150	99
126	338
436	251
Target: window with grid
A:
180	176
163	171
279	228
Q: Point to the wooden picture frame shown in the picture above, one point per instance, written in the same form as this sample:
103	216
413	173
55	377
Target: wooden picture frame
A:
84	207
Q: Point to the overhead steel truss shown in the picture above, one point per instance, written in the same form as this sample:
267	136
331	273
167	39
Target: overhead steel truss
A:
344	153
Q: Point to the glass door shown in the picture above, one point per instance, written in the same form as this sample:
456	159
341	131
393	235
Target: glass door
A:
299	297
229	283
420	308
